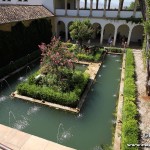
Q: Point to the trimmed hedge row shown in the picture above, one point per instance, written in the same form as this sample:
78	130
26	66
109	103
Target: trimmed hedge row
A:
18	63
48	94
90	57
114	49
22	40
130	130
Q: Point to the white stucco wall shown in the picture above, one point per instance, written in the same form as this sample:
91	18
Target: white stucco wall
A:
29	2
49	4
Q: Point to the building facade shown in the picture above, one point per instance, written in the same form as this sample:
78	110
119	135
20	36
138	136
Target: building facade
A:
108	18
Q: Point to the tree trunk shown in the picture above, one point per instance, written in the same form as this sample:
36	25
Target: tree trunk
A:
143	8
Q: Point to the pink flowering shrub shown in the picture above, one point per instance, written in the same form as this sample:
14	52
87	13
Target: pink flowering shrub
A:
55	56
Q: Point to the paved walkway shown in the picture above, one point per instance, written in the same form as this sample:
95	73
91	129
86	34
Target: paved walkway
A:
143	101
17	140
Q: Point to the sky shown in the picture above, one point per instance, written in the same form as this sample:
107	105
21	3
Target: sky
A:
114	3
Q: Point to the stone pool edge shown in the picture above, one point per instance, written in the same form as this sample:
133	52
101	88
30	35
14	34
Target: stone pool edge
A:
13	139
93	69
117	135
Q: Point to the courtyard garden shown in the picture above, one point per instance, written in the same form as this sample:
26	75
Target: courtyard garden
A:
66	73
57	80
60	79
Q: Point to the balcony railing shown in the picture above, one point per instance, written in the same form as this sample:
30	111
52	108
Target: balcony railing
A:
72	12
98	13
112	14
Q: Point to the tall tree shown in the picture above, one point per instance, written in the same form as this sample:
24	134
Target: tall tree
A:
81	30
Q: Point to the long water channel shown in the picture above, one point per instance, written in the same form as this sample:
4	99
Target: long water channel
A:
88	130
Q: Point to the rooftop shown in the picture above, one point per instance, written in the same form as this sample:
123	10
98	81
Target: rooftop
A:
14	13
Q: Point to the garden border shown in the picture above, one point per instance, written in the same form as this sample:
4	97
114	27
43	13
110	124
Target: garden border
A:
93	68
117	135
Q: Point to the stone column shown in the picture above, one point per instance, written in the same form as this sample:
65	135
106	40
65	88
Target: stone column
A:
122	1
109	2
105	5
66	7
54	7
135	6
102	32
97	4
91	7
115	36
129	36
78	6
85	6
119	9
66	29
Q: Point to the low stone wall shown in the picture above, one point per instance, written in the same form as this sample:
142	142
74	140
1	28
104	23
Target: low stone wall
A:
12	139
117	137
92	70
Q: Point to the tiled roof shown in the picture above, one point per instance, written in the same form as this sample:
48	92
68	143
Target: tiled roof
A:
13	13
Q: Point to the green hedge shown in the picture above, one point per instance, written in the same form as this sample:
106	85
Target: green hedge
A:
23	40
90	57
130	130
114	49
18	63
29	88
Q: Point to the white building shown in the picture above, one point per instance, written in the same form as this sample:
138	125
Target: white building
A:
106	17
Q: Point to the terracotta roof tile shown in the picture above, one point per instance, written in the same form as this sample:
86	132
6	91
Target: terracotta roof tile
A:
13	13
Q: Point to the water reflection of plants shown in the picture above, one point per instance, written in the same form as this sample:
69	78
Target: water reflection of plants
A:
57	80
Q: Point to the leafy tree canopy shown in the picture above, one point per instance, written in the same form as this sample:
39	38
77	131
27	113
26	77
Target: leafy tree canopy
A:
81	30
131	6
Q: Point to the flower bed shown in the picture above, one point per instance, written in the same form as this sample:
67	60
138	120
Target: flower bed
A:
57	81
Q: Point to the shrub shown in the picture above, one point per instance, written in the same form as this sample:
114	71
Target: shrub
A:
18	63
114	49
53	94
85	57
90	57
23	40
130	128
97	57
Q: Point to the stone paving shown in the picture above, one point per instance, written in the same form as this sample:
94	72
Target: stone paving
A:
14	139
143	101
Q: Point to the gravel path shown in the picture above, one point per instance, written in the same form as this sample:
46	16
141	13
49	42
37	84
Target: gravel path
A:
143	101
